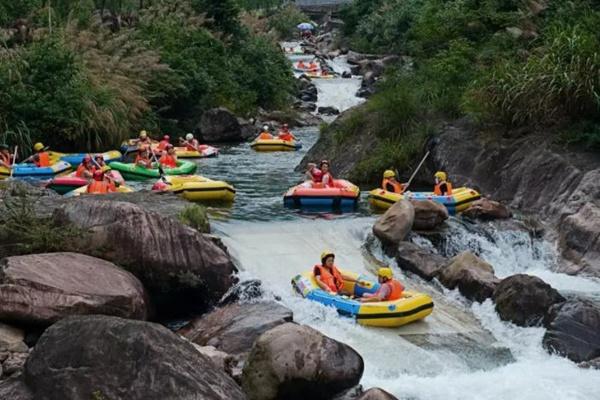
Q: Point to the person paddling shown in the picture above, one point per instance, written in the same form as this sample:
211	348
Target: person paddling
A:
100	185
442	186
86	169
164	143
190	143
390	183
6	159
328	276
41	158
143	158
169	159
285	134
265	134
389	290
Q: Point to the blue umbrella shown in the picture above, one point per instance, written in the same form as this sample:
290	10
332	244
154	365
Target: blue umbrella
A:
306	26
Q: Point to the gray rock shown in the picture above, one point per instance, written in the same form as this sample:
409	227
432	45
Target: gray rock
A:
11	338
580	239
234	328
524	299
220	125
413	258
473	277
574	330
485	208
14	389
591	364
428	214
14	363
328	111
128	360
294	362
395	224
43	288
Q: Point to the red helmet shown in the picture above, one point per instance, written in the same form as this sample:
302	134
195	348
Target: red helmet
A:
166	137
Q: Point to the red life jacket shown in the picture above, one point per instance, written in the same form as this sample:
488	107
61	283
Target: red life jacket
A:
288	137
333	279
168	161
162	145
396	290
437	189
317	175
43	159
396	185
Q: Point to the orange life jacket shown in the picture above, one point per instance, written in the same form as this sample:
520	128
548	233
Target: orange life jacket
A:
301	65
333	279
139	158
168	161
288	137
396	291
396	185
437	189
43	159
81	169
100	187
265	135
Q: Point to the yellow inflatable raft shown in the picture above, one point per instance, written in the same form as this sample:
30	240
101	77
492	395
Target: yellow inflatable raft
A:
199	188
83	191
459	201
412	306
275	145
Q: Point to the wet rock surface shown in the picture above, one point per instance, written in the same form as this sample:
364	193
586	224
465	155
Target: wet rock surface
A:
395	224
43	288
220	125
295	362
129	359
485	208
428	214
473	277
524	299
414	258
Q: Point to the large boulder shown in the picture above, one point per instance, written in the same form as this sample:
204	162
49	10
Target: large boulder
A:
395	224
89	357
524	299
11	338
221	125
295	362
485	208
580	239
428	214
473	277
43	288
371	394
414	258
573	330
14	389
182	268
234	328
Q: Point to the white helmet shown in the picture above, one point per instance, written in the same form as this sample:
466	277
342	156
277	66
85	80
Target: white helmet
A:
189	136
266	128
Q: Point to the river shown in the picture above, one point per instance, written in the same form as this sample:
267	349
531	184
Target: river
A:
462	351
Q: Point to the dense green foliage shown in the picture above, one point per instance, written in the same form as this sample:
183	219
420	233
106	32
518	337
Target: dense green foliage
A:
107	69
285	20
516	63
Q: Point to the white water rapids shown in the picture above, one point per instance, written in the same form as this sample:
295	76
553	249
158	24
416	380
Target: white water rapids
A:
462	351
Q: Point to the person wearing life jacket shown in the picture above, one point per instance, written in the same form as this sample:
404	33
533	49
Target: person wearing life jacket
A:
164	143
41	158
86	169
99	161
328	276
169	159
442	186
313	66
301	65
190	143
265	134
390	183
144	140
142	159
285	134
100	185
313	175
6	159
327	179
389	290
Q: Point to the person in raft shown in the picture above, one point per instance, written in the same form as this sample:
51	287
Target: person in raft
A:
265	134
100	185
327	179
6	159
99	161
390	183
442	186
164	143
143	158
143	140
190	142
328	276
41	158
389	290
285	134
169	159
86	169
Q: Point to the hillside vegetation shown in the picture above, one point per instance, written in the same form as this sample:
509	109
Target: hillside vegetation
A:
87	74
521	66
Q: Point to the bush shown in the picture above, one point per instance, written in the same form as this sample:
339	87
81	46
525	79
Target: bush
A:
285	20
195	216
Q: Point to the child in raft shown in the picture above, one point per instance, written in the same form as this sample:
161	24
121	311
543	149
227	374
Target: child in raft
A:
319	177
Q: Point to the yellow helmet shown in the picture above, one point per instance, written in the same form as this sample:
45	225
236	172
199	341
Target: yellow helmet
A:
326	254
388	173
38	146
441	175
385	272
143	134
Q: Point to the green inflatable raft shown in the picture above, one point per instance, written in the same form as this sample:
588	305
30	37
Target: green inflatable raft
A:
131	171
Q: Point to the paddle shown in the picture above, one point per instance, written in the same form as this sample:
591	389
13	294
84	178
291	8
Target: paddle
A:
416	170
12	165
